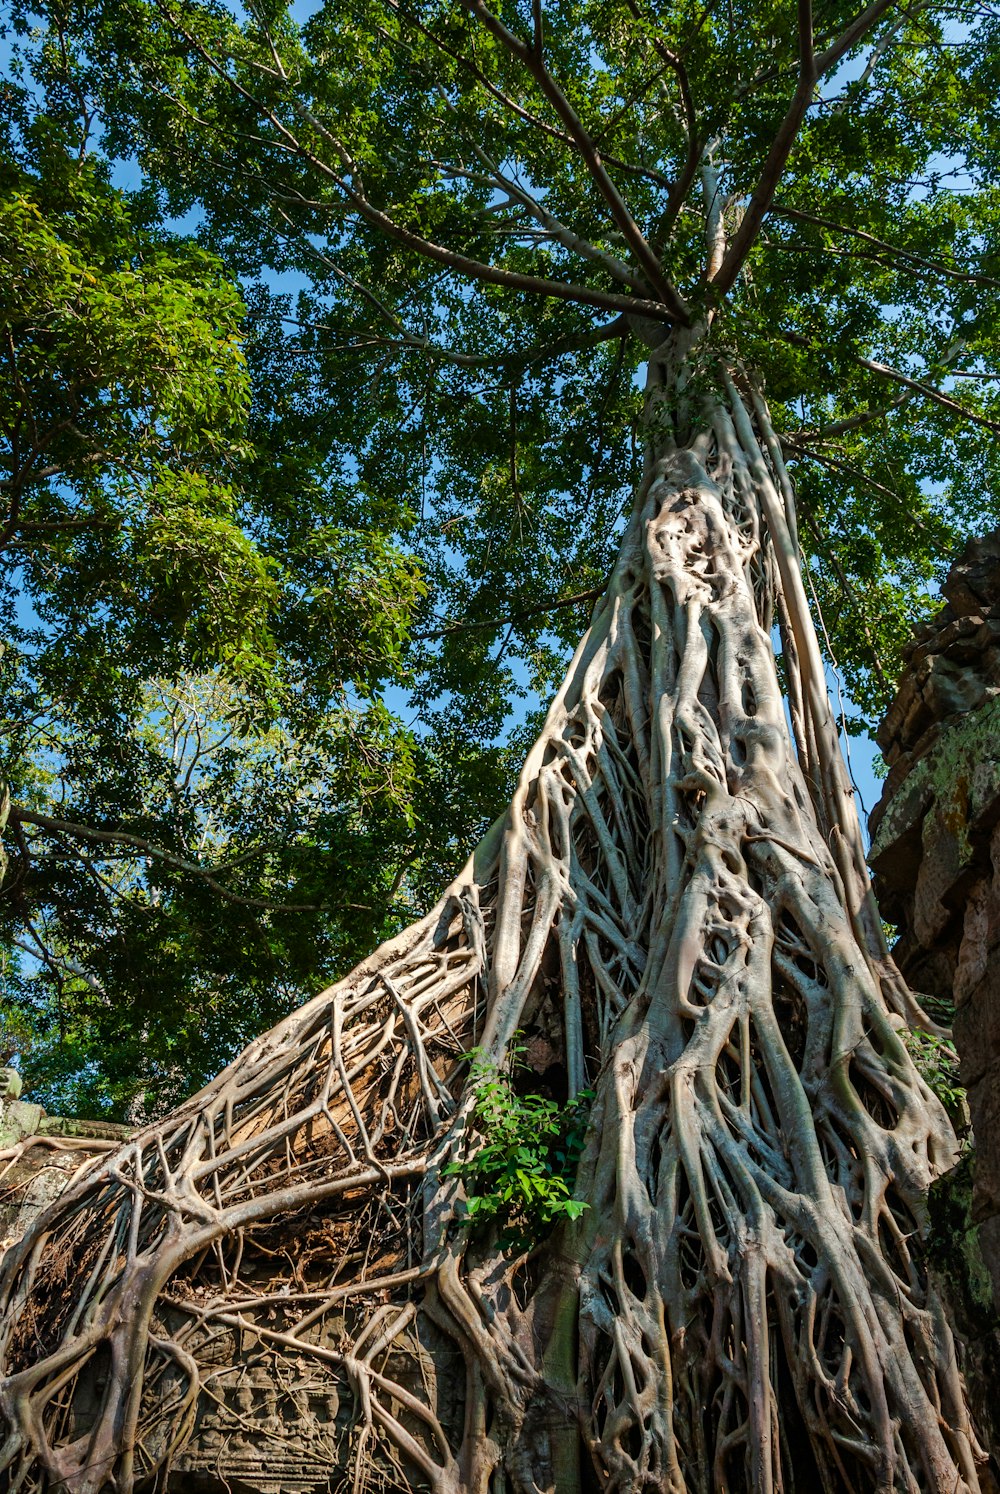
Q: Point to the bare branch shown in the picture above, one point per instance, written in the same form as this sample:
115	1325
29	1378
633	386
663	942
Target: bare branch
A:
411	342
478	270
800	450
679	190
556	230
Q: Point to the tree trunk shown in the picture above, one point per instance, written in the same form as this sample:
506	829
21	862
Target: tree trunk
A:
674	912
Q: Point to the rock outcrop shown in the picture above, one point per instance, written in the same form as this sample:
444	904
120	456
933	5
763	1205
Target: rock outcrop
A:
936	840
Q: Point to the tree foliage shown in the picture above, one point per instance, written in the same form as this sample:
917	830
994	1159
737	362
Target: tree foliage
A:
209	800
475	225
522	1164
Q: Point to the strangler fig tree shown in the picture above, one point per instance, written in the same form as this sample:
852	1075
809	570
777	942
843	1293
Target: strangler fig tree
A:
782	215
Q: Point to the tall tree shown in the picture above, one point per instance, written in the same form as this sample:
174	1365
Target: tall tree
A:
516	207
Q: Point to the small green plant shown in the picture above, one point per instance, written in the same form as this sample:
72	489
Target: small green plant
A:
521	1176
936	1062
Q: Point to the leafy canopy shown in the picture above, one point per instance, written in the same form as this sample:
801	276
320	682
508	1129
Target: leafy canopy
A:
488	214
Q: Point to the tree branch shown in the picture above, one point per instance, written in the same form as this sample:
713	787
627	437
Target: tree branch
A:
811	69
852	599
851	423
799	449
124	838
629	167
777	157
696	146
534	64
460	263
476	269
554	228
935	268
926	391
861	24
410	342
515	617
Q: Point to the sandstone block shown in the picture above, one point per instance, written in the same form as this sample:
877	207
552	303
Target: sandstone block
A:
975	579
984	1105
896	844
974	951
977	1028
946	868
951	688
984	796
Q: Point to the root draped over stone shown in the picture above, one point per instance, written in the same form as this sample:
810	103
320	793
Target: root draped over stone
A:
674	913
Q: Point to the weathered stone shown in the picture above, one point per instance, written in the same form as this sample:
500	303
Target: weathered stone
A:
958	1253
936	857
18	1119
946	866
927	632
11	1085
975	578
950	687
42	1154
984	1103
891	728
951	637
977	1026
896	844
64	1125
897	776
975	946
984	797
989	1246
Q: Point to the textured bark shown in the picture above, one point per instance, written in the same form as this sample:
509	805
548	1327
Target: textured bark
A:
674	912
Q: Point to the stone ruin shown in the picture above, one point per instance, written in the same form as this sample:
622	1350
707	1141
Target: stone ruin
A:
271	1425
39	1154
935	855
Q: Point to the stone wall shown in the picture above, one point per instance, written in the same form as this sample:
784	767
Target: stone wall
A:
936	841
39	1154
936	858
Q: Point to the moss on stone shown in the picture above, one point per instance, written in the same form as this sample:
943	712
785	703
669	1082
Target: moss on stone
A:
954	1250
963	749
